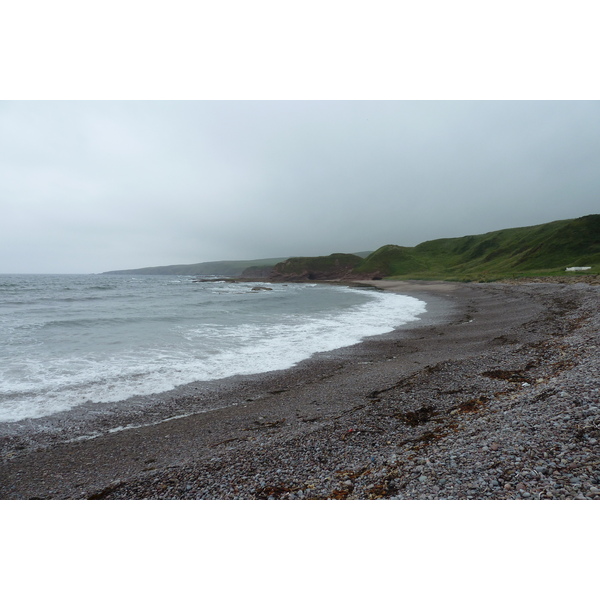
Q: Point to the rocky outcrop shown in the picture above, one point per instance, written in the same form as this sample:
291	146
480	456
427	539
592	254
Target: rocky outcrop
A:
319	268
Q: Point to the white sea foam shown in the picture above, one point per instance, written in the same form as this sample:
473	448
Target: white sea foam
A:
35	388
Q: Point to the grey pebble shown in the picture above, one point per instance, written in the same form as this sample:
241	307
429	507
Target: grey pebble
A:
530	431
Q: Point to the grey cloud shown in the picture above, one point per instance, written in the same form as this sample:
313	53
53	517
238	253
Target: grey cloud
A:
93	186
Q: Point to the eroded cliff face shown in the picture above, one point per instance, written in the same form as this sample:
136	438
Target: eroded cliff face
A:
320	268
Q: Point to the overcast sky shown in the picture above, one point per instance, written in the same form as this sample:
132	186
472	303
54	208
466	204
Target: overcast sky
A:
95	186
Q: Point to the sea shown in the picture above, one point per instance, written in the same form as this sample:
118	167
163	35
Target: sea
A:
71	340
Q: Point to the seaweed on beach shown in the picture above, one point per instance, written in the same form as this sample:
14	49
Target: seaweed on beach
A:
511	376
349	477
472	406
339	494
418	417
385	489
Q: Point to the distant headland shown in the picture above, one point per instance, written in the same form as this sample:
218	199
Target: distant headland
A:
536	251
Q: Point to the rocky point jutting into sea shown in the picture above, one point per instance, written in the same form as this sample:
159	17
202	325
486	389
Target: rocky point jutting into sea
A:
495	396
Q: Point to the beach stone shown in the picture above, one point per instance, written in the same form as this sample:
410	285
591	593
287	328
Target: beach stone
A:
319	457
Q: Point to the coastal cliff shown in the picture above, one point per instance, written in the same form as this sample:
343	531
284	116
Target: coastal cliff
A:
335	266
539	250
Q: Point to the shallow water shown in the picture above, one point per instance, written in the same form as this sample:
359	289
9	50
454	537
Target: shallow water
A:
70	339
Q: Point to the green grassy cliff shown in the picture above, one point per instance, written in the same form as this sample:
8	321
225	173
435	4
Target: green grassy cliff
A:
538	250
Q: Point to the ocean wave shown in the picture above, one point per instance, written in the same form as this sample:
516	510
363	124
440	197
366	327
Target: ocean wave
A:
65	357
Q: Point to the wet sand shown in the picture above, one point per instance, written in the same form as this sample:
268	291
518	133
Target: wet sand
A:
293	433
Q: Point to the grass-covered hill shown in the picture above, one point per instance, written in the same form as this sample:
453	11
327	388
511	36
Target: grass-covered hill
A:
538	250
525	251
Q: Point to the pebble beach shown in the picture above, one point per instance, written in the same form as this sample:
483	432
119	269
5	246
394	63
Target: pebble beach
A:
494	395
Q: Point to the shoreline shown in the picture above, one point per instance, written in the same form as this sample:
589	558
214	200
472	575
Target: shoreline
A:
95	419
381	413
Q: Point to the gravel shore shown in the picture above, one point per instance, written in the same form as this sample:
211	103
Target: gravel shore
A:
496	395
